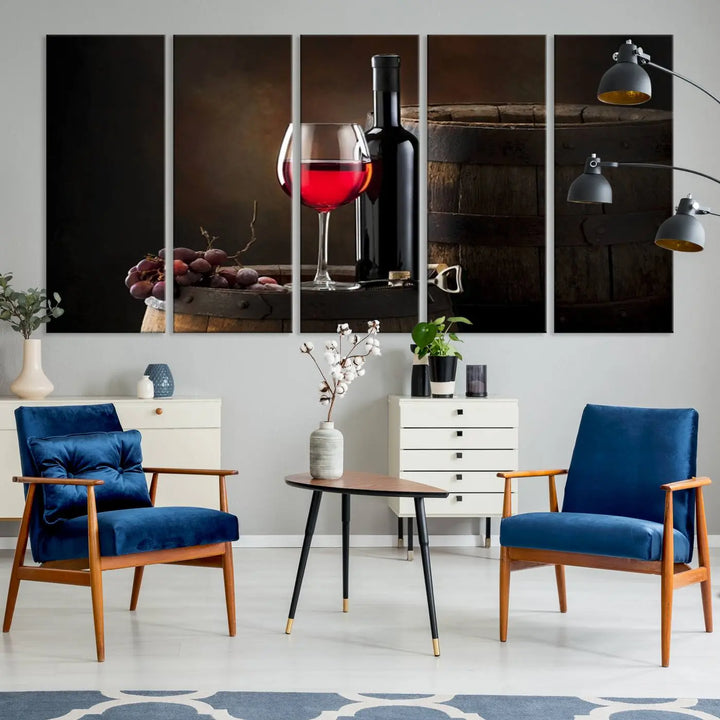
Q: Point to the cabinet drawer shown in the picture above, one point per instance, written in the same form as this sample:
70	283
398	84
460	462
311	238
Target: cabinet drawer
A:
457	460
173	413
459	413
451	438
487	482
455	505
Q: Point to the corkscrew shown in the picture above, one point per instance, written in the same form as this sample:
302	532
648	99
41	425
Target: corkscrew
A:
448	279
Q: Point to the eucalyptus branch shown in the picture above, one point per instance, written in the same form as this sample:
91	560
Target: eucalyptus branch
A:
26	311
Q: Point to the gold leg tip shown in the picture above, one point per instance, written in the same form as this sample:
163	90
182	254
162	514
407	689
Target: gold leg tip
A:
288	627
410	555
436	647
346	604
400	542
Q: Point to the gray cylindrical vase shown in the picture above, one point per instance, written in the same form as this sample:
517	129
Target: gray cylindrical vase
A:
326	452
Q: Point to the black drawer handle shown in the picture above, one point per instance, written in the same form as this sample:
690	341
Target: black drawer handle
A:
458	498
460	411
458	456
459	433
458	476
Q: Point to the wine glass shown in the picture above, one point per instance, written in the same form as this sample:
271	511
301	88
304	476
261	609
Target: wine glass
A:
335	168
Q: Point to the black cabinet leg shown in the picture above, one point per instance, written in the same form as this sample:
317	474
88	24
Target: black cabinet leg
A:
487	532
346	548
425	553
309	530
400	532
410	534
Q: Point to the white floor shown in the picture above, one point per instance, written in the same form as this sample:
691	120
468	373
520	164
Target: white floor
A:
608	643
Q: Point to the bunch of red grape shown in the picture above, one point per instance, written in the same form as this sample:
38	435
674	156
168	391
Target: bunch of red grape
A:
197	268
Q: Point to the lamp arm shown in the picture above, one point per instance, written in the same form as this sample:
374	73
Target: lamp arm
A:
612	163
678	75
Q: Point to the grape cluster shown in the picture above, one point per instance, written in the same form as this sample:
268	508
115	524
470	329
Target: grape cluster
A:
197	268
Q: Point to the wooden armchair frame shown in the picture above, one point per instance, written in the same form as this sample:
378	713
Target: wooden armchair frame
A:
88	571
672	575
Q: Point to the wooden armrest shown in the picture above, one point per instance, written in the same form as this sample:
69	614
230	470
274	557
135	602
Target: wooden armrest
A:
185	471
57	481
531	473
686	484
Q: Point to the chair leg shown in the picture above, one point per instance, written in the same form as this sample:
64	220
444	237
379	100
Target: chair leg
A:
96	587
504	592
704	559
706	591
96	591
11	598
137	582
560	580
18	560
229	578
666	601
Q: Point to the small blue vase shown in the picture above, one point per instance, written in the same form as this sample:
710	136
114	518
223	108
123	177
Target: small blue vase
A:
162	379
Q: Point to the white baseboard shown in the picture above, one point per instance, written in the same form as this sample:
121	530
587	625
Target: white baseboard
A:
335	541
295	541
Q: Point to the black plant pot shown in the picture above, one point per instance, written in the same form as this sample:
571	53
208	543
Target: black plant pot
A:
442	375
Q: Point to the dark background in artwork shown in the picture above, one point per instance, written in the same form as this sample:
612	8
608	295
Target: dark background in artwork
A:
105	174
486	175
609	275
486	69
336	86
232	104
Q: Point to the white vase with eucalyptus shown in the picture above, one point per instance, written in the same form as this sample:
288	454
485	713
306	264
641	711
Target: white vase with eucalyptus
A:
26	312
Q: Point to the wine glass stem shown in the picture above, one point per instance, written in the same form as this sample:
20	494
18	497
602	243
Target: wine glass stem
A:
322	275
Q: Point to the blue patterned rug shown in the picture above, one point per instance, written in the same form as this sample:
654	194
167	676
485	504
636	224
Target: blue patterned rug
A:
187	705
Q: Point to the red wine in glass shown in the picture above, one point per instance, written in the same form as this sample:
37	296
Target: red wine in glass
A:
327	184
335	168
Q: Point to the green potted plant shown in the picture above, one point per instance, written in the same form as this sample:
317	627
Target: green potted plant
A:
435	339
26	311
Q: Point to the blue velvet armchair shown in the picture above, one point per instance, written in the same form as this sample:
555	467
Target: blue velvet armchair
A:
631	503
88	509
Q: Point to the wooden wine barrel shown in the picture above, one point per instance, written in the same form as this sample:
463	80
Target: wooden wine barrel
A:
486	212
202	309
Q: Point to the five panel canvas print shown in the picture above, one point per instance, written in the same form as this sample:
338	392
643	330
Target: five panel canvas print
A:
357	153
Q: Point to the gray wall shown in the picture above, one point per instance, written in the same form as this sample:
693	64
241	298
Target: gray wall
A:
267	387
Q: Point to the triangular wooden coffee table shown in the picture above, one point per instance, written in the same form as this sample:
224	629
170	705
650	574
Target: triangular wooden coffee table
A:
363	483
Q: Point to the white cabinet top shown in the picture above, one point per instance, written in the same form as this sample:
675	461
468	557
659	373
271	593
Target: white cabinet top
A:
455	398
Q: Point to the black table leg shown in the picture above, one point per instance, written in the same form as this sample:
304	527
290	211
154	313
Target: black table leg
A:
309	530
346	548
400	532
487	532
425	553
410	539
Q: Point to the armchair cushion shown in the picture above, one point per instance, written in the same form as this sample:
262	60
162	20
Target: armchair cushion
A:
592	534
114	457
623	455
138	530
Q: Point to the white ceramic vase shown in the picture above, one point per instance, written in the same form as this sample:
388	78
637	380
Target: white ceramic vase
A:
145	388
32	383
326	452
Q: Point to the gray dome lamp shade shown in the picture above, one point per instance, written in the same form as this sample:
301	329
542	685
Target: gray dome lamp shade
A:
625	83
683	232
591	186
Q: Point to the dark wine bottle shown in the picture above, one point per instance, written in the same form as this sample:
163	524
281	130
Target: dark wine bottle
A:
387	212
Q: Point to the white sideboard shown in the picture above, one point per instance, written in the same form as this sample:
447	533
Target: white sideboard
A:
176	432
458	444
